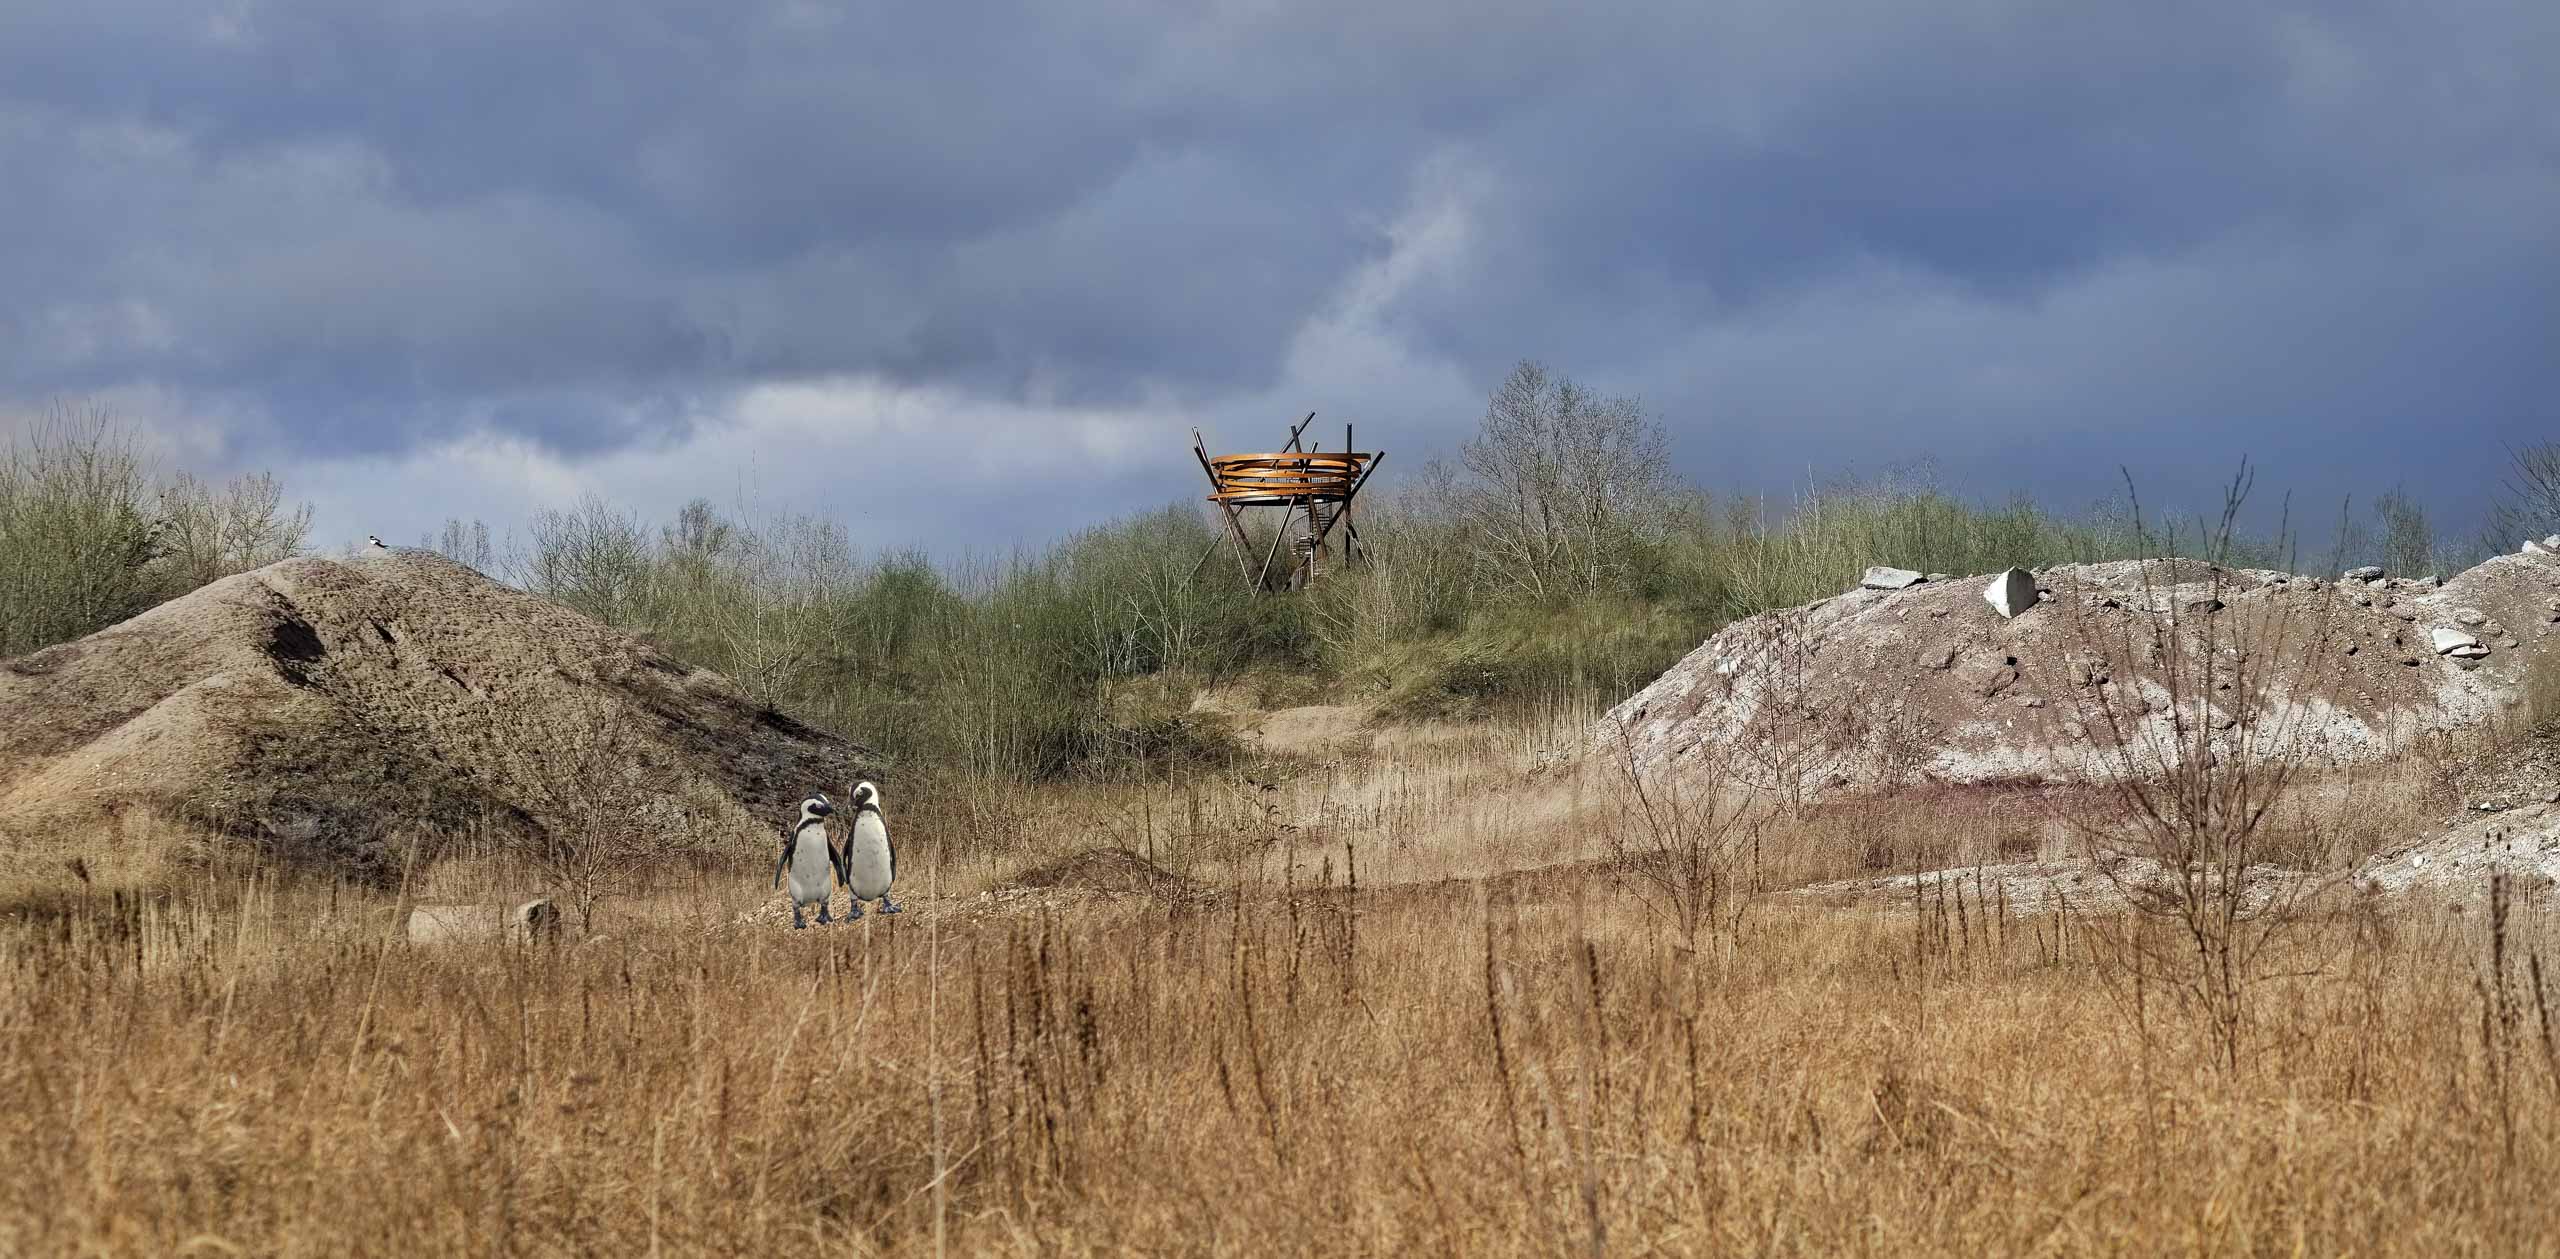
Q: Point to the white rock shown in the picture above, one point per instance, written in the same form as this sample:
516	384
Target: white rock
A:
2472	618
446	924
2011	592
1883	578
2473	652
2449	639
2370	572
2552	542
2532	547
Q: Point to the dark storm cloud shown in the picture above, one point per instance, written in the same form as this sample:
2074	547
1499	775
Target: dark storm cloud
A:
1963	229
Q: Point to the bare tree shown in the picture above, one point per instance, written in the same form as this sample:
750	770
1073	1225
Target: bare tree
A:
2408	538
209	532
2529	503
466	542
769	600
1562	485
594	558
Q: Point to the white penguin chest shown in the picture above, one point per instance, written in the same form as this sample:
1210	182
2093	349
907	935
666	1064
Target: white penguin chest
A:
810	867
870	864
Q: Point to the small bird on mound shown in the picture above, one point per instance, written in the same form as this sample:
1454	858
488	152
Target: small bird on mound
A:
811	861
870	861
373	543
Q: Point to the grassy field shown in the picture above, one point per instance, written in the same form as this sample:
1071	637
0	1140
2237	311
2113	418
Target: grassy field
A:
1262	1057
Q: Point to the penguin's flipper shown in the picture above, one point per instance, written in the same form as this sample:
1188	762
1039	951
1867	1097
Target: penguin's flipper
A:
840	860
783	860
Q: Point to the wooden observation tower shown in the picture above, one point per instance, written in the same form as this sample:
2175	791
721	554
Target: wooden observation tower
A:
1313	489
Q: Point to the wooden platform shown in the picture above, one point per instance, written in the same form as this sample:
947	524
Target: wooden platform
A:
1317	485
1279	480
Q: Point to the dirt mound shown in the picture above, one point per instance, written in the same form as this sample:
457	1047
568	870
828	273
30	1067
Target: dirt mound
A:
332	709
2521	842
2507	773
1874	689
1107	871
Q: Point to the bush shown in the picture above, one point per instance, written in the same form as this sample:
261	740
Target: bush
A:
77	535
87	538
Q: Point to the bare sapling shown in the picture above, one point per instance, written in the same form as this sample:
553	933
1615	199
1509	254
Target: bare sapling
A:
1680	839
600	821
2197	709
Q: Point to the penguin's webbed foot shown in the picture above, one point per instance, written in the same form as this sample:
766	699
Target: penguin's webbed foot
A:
887	908
823	920
855	911
797	924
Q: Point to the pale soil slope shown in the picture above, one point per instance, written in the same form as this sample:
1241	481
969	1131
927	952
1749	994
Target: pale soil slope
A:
328	709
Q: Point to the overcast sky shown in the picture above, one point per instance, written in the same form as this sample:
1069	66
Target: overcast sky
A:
905	264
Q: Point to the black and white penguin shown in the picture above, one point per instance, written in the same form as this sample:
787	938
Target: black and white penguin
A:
870	860
810	859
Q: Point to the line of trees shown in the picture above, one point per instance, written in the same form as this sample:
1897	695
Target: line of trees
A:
90	536
1554	558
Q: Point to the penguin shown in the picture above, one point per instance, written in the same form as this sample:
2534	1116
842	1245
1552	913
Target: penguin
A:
811	861
870	861
373	543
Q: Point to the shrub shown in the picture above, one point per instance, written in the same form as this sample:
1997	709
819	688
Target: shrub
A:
88	539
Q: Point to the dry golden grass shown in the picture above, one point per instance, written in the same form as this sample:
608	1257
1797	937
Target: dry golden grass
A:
1221	1080
1464	1054
1516	1066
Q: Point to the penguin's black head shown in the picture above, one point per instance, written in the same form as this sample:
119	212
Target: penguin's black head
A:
865	796
816	806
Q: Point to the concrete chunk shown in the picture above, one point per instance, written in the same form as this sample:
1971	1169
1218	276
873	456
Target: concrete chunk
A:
447	924
1883	578
2370	572
2449	640
2011	592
